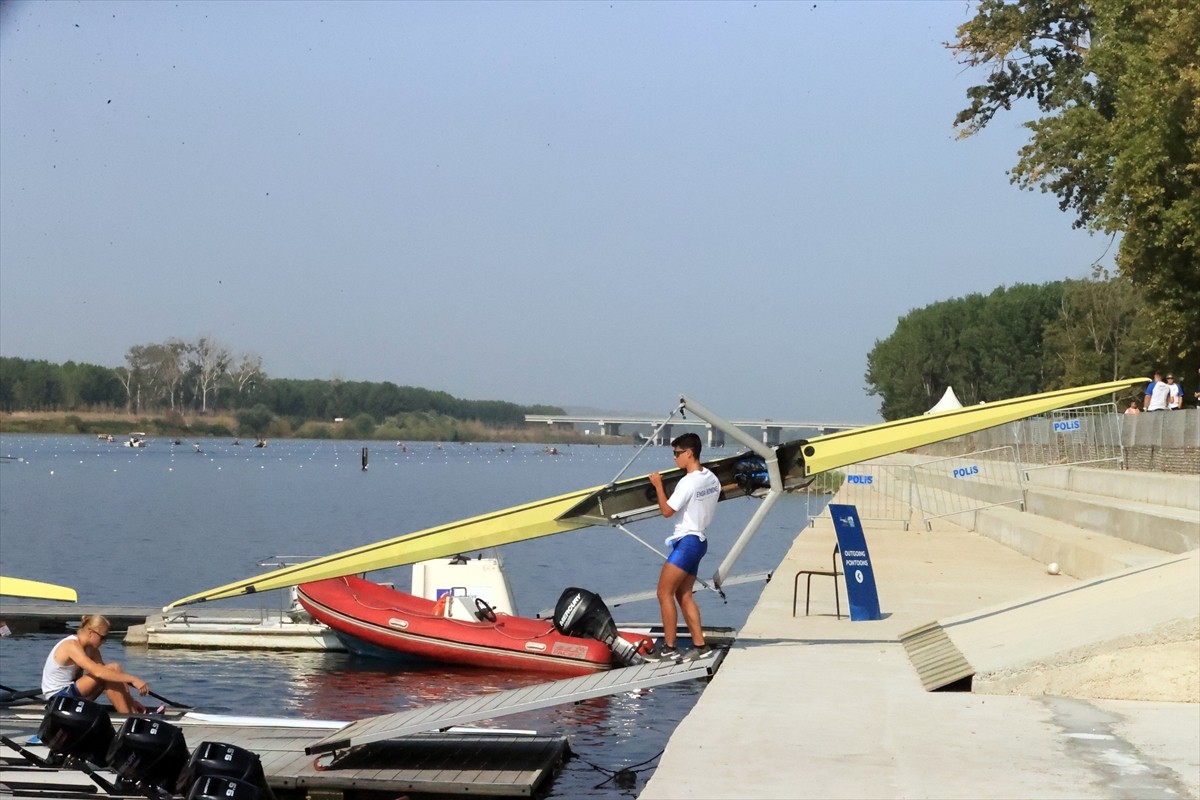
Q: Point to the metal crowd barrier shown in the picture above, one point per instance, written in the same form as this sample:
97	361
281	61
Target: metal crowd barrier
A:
1079	435
964	484
881	491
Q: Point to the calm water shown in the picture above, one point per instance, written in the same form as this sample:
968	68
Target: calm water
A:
145	527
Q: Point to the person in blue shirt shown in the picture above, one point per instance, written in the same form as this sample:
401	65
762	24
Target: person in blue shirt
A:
1150	390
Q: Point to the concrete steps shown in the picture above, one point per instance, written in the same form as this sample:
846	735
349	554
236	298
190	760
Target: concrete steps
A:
1159	488
1079	553
1165	528
1091	521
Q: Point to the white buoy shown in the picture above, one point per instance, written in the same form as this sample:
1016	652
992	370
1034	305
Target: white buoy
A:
1052	568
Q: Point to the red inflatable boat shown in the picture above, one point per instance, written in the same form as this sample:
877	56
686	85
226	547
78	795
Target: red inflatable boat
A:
375	620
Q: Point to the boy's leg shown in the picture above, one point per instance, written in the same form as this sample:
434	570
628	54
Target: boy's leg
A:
691	611
669	581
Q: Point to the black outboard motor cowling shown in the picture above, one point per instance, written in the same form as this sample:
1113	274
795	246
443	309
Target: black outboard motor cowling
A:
149	752
582	613
76	727
217	787
221	760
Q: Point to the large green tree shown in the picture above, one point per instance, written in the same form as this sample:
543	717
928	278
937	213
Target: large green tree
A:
1099	333
988	347
1117	85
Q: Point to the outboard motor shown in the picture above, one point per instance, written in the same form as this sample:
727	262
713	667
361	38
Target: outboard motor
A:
213	762
582	613
149	752
215	787
77	727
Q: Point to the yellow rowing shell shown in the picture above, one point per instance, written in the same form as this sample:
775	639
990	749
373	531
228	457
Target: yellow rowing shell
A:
798	460
19	587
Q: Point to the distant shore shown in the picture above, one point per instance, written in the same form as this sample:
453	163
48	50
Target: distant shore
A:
211	426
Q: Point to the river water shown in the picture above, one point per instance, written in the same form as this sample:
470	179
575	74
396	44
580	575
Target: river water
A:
144	527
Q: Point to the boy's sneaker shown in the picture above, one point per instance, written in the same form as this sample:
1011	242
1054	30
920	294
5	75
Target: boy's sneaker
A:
662	653
697	653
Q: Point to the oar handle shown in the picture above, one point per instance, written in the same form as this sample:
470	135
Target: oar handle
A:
168	701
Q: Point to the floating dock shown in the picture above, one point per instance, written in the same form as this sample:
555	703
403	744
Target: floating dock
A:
60	618
417	752
467	762
216	628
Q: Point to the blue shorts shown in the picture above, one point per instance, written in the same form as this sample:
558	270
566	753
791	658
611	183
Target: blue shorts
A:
687	552
70	690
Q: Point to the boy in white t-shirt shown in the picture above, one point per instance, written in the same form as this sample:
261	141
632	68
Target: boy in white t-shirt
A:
694	499
1159	396
1174	393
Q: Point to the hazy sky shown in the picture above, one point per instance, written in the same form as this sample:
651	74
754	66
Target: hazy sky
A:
583	204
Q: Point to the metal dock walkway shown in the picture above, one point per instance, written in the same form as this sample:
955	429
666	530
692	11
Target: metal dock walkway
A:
491	706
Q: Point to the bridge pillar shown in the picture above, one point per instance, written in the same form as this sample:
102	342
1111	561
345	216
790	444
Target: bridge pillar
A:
716	436
665	437
610	428
770	435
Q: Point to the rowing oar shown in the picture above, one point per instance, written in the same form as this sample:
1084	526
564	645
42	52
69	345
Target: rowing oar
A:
169	701
12	694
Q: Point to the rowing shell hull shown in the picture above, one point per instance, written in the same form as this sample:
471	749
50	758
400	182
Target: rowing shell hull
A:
410	626
36	590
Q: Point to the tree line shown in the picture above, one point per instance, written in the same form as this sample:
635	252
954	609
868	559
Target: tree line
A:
205	377
1017	340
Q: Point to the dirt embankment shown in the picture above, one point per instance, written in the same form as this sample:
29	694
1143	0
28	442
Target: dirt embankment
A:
1162	664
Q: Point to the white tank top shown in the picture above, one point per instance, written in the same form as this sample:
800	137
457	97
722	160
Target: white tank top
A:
54	675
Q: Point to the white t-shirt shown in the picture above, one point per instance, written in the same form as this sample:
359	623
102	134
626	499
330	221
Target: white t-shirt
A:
695	501
1158	399
1175	398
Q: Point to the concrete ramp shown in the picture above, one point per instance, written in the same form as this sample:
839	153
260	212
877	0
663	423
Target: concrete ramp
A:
1014	635
939	664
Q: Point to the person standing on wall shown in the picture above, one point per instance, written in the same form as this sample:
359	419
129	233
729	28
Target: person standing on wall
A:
1174	395
694	500
1149	393
1160	396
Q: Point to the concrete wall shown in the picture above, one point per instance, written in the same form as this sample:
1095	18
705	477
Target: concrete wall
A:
1165	441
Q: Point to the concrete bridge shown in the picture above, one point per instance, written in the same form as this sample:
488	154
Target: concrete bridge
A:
769	430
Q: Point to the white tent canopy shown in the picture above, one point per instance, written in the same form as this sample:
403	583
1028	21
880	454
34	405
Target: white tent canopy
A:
949	401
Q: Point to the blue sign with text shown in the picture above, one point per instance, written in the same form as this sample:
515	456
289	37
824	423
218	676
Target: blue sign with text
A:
856	563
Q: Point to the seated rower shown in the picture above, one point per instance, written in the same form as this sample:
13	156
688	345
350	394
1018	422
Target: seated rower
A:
75	668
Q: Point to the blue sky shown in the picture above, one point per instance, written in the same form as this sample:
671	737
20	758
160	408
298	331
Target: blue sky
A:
583	204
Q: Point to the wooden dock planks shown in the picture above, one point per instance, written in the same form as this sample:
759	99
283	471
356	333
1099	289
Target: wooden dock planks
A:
496	765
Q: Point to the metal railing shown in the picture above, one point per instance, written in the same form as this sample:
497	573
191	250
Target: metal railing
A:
881	491
965	484
1079	435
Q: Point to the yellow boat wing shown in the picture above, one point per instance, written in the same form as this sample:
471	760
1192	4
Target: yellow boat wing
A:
19	587
841	449
628	499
